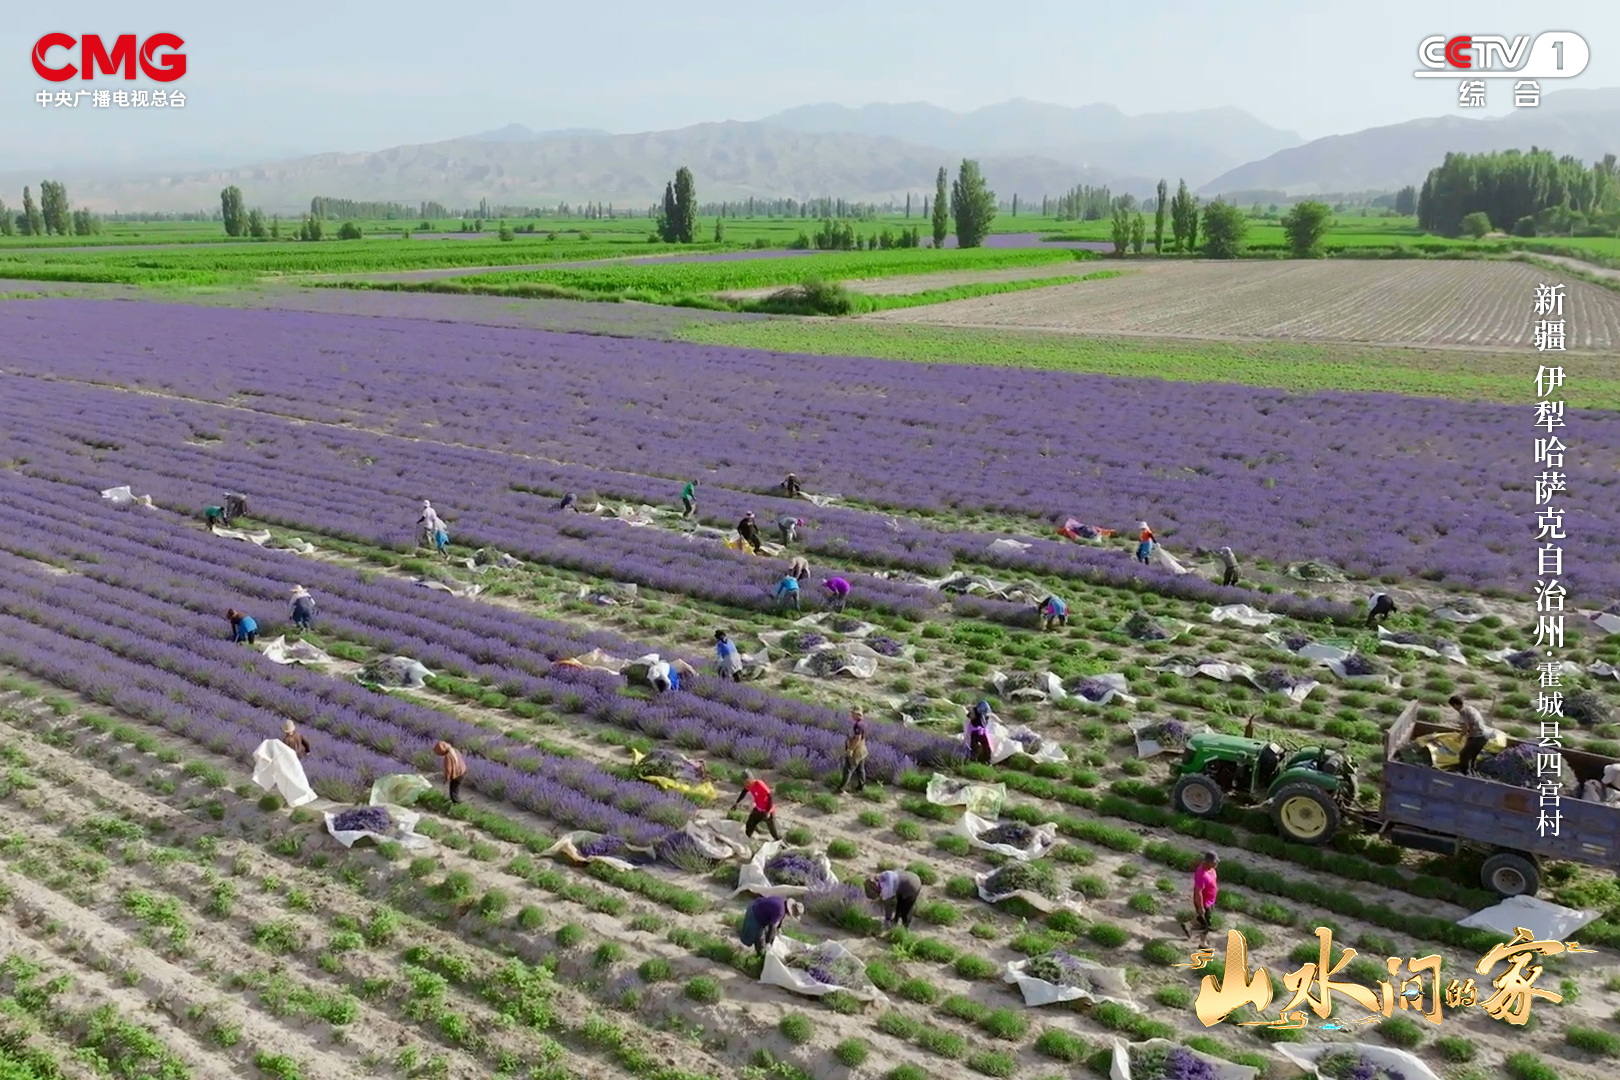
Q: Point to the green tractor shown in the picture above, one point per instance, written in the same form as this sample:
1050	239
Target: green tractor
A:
1310	791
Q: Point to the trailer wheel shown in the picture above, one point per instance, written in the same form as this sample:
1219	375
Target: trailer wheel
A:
1305	814
1507	873
1197	795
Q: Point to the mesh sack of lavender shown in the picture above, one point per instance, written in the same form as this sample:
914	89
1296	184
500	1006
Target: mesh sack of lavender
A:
802	641
830	967
1012	833
1142	627
1349	1065
361	819
1059	969
1587	708
885	646
1170	734
1036	878
600	846
682	852
793	868
1169	1063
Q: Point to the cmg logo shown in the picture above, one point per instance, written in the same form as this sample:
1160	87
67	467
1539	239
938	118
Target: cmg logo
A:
93	54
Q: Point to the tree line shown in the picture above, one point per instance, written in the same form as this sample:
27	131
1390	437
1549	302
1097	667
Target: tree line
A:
51	216
1528	194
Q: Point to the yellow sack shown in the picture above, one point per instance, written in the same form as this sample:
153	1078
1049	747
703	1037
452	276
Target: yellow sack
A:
1445	748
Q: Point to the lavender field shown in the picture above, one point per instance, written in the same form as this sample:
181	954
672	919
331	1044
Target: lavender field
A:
272	950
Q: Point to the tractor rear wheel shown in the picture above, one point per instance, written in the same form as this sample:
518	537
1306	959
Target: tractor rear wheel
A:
1197	795
1305	814
1507	873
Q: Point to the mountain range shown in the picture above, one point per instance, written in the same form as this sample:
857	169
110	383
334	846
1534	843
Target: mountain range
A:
873	153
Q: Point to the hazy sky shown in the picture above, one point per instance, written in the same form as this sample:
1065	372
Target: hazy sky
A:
301	77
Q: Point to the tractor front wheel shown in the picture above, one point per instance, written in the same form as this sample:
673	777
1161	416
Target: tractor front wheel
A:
1197	795
1305	814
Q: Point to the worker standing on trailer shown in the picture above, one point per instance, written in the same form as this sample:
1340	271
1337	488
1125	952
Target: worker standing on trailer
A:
1229	567
748	529
1476	733
837	592
764	811
455	768
1144	543
689	499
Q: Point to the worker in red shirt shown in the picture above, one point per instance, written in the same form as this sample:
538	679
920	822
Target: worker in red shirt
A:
764	811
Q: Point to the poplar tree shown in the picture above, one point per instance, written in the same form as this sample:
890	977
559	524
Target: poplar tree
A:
941	222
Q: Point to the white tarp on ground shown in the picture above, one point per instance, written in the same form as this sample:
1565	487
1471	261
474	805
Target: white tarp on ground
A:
776	971
1450	614
1314	571
596	660
1447	651
1147	746
275	766
568	845
819	500
1005	742
259	538
612	595
1113	688
1365	681
1044	904
1219	670
1609	624
463	589
123	496
751	877
922	709
639	670
1172	630
279	651
401	830
1385	1057
1120	1068
1243	615
848	659
1168	561
1009	547
1105	984
1599	669
1027	686
833	622
1322	652
719	838
1042	840
1547	921
982	799
394	672
296	545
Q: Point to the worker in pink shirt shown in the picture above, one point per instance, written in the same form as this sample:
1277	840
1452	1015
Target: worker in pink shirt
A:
1204	891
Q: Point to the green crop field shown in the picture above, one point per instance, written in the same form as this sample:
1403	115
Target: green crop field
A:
1423	372
663	283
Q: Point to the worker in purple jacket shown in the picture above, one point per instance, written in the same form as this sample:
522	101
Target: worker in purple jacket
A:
837	592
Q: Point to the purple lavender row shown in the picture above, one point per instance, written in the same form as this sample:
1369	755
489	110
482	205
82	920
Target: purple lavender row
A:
395	617
1285	475
165	637
853	533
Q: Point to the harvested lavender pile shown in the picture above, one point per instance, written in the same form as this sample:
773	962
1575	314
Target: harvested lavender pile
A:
1023	877
1022	680
1295	642
1524	660
679	850
361	819
802	641
602	845
829	967
885	646
1141	627
1280	680
1349	1065
794	868
1013	833
843	624
1516	765
668	763
1427	641
1170	734
1358	666
828	663
1029	740
1174	1063
1060	969
1093	689
1587	708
